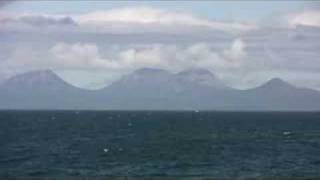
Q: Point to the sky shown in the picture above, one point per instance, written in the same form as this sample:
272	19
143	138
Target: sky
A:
93	43
241	10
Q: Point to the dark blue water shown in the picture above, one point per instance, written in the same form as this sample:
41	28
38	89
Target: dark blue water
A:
159	144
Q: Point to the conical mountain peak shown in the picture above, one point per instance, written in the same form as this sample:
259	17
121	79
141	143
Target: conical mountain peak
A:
35	79
276	83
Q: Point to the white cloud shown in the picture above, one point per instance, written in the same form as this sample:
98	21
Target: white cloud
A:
237	52
126	20
157	17
79	56
306	18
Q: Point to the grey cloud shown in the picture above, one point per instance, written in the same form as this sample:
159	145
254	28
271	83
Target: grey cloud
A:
131	21
290	49
39	20
5	2
312	5
44	21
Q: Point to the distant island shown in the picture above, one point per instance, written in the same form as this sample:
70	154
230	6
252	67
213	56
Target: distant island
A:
154	89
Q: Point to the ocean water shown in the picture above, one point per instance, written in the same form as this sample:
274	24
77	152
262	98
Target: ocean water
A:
155	144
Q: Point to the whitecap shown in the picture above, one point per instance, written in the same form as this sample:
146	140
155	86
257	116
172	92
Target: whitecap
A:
286	133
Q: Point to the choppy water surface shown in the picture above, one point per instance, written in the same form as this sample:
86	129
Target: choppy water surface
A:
159	144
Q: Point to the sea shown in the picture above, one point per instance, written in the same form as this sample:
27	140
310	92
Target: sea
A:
159	145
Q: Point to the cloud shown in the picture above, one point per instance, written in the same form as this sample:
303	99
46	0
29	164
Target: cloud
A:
79	56
237	50
130	20
45	21
155	17
35	20
305	18
5	2
170	57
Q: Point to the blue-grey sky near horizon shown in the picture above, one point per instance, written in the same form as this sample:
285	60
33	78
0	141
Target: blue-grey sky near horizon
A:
243	10
92	43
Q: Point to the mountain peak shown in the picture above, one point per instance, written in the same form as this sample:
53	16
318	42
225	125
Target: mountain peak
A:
32	79
40	73
198	71
203	77
149	71
276	83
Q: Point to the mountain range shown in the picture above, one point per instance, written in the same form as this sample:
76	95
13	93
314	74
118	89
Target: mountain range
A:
154	89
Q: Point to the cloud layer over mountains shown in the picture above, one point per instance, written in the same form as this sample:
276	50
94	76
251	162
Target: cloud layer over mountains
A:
118	41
